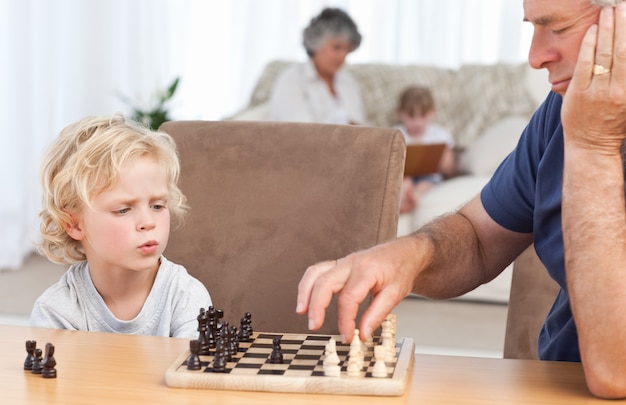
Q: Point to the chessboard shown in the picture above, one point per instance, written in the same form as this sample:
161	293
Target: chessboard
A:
301	370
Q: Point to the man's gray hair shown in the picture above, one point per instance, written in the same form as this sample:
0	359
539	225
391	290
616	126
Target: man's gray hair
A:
331	22
606	3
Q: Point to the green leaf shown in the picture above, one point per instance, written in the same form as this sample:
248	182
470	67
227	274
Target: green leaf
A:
172	89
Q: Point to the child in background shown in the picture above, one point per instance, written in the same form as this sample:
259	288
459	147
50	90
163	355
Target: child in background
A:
416	111
109	190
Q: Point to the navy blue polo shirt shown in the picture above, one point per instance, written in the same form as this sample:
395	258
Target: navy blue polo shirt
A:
524	195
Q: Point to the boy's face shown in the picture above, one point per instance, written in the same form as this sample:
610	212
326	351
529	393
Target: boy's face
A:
128	225
415	125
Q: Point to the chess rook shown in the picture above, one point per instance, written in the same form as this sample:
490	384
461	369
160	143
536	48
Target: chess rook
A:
31	345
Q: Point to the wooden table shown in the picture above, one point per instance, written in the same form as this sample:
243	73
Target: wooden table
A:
102	368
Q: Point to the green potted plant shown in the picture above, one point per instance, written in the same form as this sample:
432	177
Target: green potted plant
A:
156	115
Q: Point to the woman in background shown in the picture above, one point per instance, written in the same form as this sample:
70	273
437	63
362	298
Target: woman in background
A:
319	90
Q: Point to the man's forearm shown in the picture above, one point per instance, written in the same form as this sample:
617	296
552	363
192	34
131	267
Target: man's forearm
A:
449	273
594	235
469	249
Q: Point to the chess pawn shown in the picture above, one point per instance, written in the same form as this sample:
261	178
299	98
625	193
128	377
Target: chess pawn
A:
31	345
219	360
369	342
380	368
387	341
247	321
234	340
356	349
49	363
193	361
244	329
37	366
248	316
353	369
356	341
331	360
393	318
225	336
277	355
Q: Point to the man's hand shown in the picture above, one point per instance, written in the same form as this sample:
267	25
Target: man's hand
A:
387	271
594	104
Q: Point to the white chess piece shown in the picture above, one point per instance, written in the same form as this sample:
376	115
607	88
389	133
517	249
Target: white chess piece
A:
369	342
380	368
387	341
356	341
356	350
393	318
331	360
353	369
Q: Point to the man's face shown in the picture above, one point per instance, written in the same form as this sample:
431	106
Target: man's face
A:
559	28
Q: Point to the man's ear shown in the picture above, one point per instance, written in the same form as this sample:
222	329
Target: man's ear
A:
73	227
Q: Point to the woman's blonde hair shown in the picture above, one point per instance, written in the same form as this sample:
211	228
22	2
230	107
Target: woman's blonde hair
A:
84	161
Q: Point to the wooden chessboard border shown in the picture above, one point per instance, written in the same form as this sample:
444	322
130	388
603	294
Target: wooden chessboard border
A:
178	376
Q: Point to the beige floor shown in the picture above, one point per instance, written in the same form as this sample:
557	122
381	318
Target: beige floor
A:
442	327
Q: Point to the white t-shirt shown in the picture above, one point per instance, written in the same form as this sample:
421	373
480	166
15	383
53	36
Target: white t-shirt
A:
300	95
434	133
171	308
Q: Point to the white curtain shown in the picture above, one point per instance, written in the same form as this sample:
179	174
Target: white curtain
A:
64	59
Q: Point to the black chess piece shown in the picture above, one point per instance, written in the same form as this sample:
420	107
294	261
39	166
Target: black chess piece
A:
49	363
211	327
193	361
245	328
225	336
248	317
37	366
234	340
203	335
219	360
243	336
277	353
31	345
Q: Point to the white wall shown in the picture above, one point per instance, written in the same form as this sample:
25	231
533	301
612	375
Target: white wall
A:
64	59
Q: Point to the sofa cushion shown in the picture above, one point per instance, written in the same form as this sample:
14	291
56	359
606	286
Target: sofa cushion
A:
448	196
487	152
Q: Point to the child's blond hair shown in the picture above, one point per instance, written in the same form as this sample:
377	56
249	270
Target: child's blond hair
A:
416	100
84	161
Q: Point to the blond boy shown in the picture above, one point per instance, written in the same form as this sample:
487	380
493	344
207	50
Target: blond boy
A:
109	194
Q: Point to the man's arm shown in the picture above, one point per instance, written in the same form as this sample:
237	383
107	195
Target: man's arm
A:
448	257
594	208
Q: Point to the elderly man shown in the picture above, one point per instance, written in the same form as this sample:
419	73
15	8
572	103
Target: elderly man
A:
562	189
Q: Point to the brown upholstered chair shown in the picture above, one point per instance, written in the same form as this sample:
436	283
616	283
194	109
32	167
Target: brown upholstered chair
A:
532	295
269	199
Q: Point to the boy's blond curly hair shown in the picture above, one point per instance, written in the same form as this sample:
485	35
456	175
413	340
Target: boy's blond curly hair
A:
84	161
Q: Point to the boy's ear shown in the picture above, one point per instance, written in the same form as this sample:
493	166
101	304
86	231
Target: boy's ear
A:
73	227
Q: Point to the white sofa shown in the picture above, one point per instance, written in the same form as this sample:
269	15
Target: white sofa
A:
485	107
